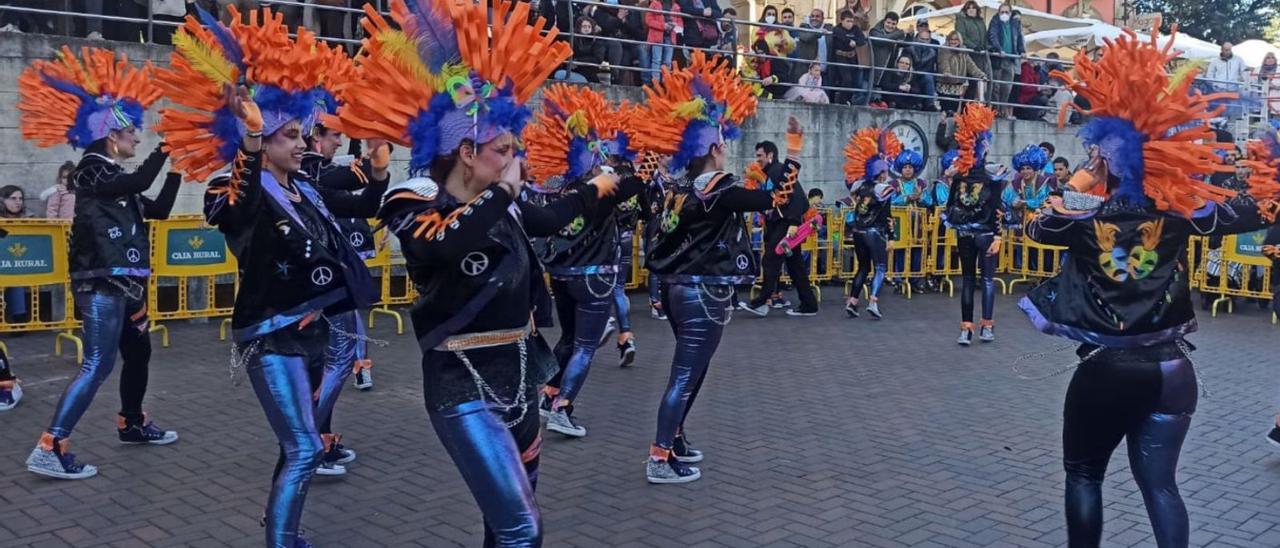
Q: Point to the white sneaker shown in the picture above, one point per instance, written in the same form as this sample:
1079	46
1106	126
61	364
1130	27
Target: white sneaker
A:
55	464
331	469
762	310
364	379
561	423
609	329
14	396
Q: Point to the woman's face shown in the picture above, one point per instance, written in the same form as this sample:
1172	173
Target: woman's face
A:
953	40
124	141
770	12
1028	173
586	27
904	63
13	203
283	149
971	10
908	171
489	160
1269	60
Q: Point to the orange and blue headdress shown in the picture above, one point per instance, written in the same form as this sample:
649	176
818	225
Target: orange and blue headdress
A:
67	101
1032	156
973	134
288	78
451	72
692	108
576	131
869	152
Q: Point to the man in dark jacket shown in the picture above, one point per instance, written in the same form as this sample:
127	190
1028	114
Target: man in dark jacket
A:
557	14
700	29
777	224
811	41
886	38
610	27
846	41
924	53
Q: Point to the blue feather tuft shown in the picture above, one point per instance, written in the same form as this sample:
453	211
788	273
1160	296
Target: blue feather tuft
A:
698	137
621	147
980	148
299	105
702	89
1121	144
432	29
230	47
908	157
949	157
424	132
580	159
1032	156
226	127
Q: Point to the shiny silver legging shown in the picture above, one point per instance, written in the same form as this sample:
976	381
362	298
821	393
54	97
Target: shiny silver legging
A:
283	390
582	306
871	248
697	314
500	467
1149	404
112	323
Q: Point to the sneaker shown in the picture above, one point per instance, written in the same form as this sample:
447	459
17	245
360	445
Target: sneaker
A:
873	308
851	308
544	404
780	303
364	379
328	468
1273	437
337	452
657	313
560	422
987	334
50	458
794	312
684	452
9	397
144	433
966	337
609	329
762	310
670	471
627	352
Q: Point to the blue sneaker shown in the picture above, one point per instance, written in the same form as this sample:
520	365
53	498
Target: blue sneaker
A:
9	395
50	458
143	432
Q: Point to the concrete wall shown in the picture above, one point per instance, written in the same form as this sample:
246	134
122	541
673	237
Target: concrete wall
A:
827	127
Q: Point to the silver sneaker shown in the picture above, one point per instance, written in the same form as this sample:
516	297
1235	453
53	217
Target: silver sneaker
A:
15	396
561	423
51	464
662	471
364	379
987	334
609	329
762	310
873	308
966	337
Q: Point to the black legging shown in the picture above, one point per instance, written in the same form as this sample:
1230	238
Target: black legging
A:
973	251
872	250
1145	401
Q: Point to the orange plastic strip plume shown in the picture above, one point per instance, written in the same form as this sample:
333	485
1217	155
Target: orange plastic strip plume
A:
577	112
970	124
48	114
668	110
862	145
514	49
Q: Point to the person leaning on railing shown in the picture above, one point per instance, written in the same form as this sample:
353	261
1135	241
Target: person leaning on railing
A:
923	49
1004	36
954	66
701	30
903	87
811	42
886	38
848	48
973	36
664	29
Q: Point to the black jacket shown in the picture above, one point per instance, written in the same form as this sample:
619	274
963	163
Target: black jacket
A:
702	237
590	244
841	51
109	235
331	179
872	205
293	257
975	203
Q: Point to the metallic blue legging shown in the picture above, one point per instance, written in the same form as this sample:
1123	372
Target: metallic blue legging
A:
973	253
346	345
1149	404
583	315
500	466
283	390
112	323
697	314
622	307
871	248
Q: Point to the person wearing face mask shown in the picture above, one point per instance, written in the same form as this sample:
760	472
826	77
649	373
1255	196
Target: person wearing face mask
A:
1004	38
110	249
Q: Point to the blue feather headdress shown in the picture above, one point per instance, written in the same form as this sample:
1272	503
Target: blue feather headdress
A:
1032	156
64	101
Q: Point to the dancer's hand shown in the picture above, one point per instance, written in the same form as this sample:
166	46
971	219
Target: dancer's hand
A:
510	180
994	248
242	105
379	158
795	137
606	184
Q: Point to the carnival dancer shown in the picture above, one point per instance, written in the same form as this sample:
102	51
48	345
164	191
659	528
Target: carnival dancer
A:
973	211
577	136
97	104
10	387
1025	193
629	212
868	155
457	99
912	190
296	267
779	223
1123	292
702	247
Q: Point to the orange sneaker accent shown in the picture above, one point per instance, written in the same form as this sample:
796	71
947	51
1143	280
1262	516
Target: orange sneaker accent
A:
362	365
966	325
658	453
120	422
550	391
329	440
624	337
533	450
8	385
306	320
987	323
560	403
46	441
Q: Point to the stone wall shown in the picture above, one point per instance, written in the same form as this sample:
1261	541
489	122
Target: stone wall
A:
827	127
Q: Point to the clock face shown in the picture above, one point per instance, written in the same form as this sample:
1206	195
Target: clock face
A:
912	137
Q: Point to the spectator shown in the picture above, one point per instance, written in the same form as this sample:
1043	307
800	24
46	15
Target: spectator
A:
1267	70
924	54
15	298
636	30
809	88
793	71
1226	73
956	72
556	13
699	20
609	29
973	36
1033	99
903	86
886	39
778	43
1061	171
789	20
728	31
1049	151
847	44
811	40
588	52
769	17
663	31
1004	35
60	201
765	70
1061	96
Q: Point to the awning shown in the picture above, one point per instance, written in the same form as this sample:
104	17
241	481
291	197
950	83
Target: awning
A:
1094	34
943	20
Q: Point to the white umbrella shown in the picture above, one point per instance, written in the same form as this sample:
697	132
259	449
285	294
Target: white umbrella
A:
1094	34
943	21
1252	51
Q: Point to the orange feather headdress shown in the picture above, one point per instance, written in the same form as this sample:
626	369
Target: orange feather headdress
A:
576	130
451	72
973	134
67	101
692	108
869	152
1148	124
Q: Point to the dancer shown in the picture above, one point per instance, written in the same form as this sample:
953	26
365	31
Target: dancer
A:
578	136
702	247
1123	292
868	155
778	223
97	104
297	269
465	230
10	386
912	190
1030	186
629	212
973	211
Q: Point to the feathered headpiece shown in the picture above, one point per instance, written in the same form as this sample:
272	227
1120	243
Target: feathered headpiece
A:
450	71
286	77
1264	161
692	108
948	158
1146	124
973	134
1032	156
576	131
908	158
66	101
869	152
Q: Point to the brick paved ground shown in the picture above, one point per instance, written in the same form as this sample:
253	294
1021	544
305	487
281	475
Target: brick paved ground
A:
818	432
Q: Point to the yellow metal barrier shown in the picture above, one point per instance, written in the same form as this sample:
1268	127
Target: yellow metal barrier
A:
908	249
942	259
383	265
33	265
1028	259
189	252
1244	250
